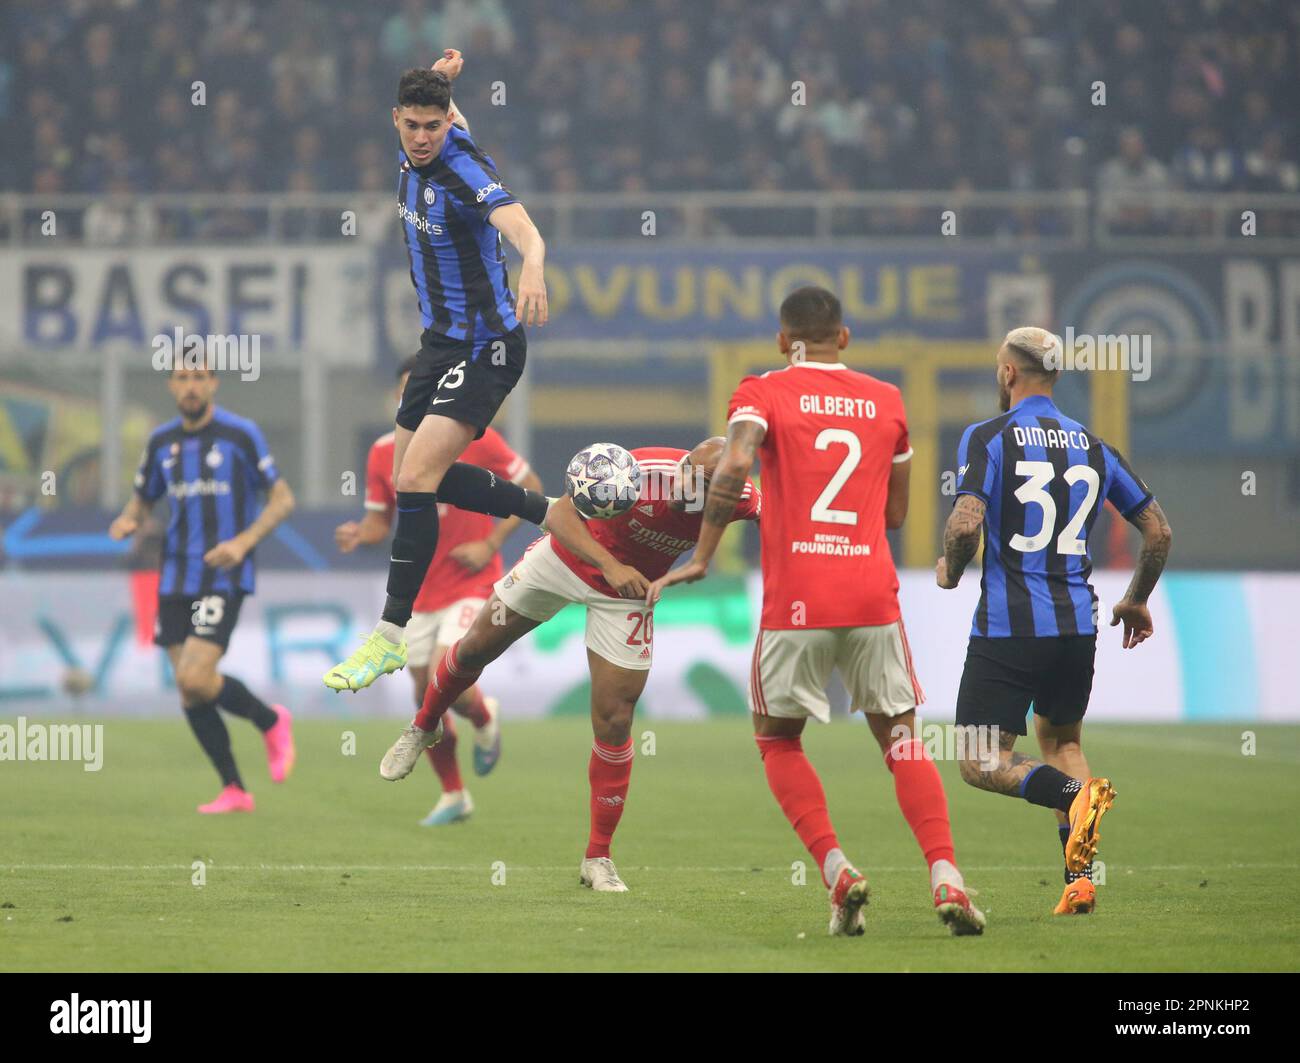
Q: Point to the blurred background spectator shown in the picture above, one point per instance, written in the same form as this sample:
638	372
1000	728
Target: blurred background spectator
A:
608	95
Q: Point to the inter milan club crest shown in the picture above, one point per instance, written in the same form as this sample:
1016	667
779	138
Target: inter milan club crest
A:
428	195
214	457
173	456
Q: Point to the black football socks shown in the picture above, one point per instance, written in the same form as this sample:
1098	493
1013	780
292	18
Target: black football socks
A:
1049	787
210	730
238	700
414	544
482	491
1072	876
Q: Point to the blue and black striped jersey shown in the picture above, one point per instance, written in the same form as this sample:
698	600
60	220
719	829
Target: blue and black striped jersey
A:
1042	477
457	263
212	479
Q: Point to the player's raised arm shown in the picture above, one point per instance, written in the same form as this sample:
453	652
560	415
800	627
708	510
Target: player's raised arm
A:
450	66
517	227
1132	609
744	437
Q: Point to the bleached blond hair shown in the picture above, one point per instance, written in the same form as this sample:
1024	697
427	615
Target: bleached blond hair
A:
1042	349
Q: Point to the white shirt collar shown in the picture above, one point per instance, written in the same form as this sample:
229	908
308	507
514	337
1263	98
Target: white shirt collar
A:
818	365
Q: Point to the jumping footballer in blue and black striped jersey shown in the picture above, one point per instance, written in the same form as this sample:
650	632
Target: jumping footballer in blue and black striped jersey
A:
212	466
1033	481
454	208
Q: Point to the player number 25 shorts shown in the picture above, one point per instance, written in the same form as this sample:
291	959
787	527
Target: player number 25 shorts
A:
790	669
462	379
621	630
210	617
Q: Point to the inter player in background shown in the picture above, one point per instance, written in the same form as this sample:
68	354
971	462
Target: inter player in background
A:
835	460
459	581
599	565
212	466
1033	481
454	209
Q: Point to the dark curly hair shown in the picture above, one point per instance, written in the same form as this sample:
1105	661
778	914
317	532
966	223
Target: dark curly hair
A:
424	88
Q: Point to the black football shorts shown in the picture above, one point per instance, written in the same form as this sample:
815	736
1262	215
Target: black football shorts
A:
1003	677
466	381
210	617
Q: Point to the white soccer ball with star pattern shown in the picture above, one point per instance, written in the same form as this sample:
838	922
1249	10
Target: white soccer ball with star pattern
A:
603	480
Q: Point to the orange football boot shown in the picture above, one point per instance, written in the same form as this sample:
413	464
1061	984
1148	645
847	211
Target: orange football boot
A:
1090	804
1079	898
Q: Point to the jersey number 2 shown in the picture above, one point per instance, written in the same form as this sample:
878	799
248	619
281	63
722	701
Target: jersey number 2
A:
1039	474
821	509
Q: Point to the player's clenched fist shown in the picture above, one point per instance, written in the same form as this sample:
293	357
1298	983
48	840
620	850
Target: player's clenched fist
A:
123	527
450	64
627	580
347	536
227	554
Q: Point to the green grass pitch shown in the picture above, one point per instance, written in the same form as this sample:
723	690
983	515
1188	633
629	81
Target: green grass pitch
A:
333	873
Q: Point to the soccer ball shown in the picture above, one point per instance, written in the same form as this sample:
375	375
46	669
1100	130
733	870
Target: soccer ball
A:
603	480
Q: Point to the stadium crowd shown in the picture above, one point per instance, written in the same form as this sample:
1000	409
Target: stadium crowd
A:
626	95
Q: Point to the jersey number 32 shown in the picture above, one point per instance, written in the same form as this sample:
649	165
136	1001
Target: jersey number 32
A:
1034	490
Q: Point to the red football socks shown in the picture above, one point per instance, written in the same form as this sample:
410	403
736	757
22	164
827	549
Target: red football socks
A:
472	707
609	772
799	792
448	683
443	758
920	795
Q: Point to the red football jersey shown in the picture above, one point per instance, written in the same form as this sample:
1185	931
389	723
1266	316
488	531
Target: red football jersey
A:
652	535
833	435
448	581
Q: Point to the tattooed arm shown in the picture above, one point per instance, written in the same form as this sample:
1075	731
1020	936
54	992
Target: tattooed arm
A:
1132	608
961	538
725	488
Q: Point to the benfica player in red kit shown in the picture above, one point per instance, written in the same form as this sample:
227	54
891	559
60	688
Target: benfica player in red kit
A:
458	582
605	565
835	462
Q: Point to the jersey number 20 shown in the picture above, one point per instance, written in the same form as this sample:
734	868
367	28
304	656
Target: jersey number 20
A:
1039	474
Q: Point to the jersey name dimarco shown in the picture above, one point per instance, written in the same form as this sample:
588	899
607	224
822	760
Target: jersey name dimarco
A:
191	488
1033	436
837	406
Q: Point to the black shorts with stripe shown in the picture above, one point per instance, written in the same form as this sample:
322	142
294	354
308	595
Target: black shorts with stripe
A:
1003	677
466	380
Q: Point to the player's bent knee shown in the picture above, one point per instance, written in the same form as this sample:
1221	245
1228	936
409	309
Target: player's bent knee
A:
193	685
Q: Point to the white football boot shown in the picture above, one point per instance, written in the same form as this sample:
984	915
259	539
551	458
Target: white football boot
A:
849	896
452	807
401	758
600	874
